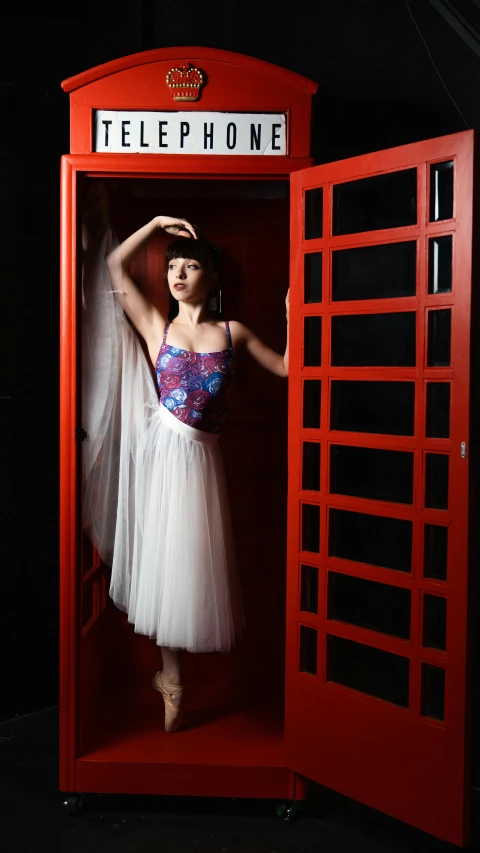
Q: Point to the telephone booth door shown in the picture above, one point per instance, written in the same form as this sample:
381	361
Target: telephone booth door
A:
377	592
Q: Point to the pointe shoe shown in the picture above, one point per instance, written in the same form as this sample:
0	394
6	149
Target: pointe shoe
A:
170	692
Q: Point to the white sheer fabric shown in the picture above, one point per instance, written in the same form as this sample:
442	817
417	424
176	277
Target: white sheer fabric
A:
155	499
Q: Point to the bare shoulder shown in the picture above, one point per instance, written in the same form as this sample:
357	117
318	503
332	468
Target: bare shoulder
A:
239	332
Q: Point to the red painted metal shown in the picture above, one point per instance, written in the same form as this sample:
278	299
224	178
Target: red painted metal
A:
211	780
219	167
68	483
283	76
389	757
110	723
234	83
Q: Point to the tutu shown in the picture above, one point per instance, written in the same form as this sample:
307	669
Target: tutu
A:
183	589
155	498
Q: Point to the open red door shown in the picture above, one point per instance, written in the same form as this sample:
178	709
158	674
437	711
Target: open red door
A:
378	480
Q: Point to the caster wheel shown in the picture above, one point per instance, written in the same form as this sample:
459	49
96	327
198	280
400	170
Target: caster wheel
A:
290	812
75	805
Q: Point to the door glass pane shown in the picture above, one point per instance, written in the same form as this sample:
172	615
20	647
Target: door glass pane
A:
441	191
311	403
436	481
435	552
87	554
378	407
433	691
438	410
368	604
313	213
312	337
373	539
309	589
311	466
384	201
365	472
373	671
439	334
374	272
310	528
308	650
88	602
90	555
374	340
434	622
313	277
440	264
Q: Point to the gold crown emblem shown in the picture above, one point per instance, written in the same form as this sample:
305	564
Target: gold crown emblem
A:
185	82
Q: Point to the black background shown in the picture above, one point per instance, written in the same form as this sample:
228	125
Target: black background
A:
378	88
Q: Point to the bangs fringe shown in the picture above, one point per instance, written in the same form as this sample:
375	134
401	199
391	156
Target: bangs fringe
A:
207	254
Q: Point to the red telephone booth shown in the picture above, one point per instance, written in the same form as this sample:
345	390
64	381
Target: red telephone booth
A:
353	670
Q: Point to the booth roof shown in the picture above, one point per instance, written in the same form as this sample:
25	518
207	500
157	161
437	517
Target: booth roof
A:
197	54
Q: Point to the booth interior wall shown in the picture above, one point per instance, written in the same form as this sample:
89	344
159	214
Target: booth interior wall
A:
236	697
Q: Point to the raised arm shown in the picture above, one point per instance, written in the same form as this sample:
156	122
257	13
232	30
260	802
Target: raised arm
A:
146	318
267	357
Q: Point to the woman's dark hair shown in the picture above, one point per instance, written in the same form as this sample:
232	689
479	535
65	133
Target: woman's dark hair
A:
207	254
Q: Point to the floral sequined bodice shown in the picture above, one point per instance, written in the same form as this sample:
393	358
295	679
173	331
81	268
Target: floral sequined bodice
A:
196	387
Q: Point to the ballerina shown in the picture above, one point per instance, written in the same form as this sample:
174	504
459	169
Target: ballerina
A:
173	557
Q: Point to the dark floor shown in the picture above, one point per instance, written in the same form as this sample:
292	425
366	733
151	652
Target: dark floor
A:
33	814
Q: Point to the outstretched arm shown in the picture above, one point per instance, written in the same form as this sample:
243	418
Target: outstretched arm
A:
263	354
146	318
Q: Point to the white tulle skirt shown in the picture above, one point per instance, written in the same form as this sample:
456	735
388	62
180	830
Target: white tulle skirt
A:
155	498
184	588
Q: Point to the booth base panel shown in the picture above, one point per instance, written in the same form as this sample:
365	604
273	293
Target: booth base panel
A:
108	777
231	751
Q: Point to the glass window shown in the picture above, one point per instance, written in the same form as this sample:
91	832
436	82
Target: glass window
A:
370	204
312	337
441	191
377	407
310	528
373	539
308	650
436	481
87	554
434	622
369	604
438	410
311	403
440	264
433	691
309	589
312	277
374	272
88	602
374	340
435	550
370	670
313	213
365	472
311	466
439	336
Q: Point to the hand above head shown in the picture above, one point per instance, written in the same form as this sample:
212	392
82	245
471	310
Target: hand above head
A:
287	304
177	227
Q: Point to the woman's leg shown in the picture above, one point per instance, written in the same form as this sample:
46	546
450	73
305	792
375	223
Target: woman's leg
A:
168	683
171	665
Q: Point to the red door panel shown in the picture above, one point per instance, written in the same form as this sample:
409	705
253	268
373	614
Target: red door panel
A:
378	480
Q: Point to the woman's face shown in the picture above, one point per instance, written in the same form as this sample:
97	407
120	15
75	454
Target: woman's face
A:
188	280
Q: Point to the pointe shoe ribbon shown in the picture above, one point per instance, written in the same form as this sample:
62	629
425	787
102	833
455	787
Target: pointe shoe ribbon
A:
170	692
